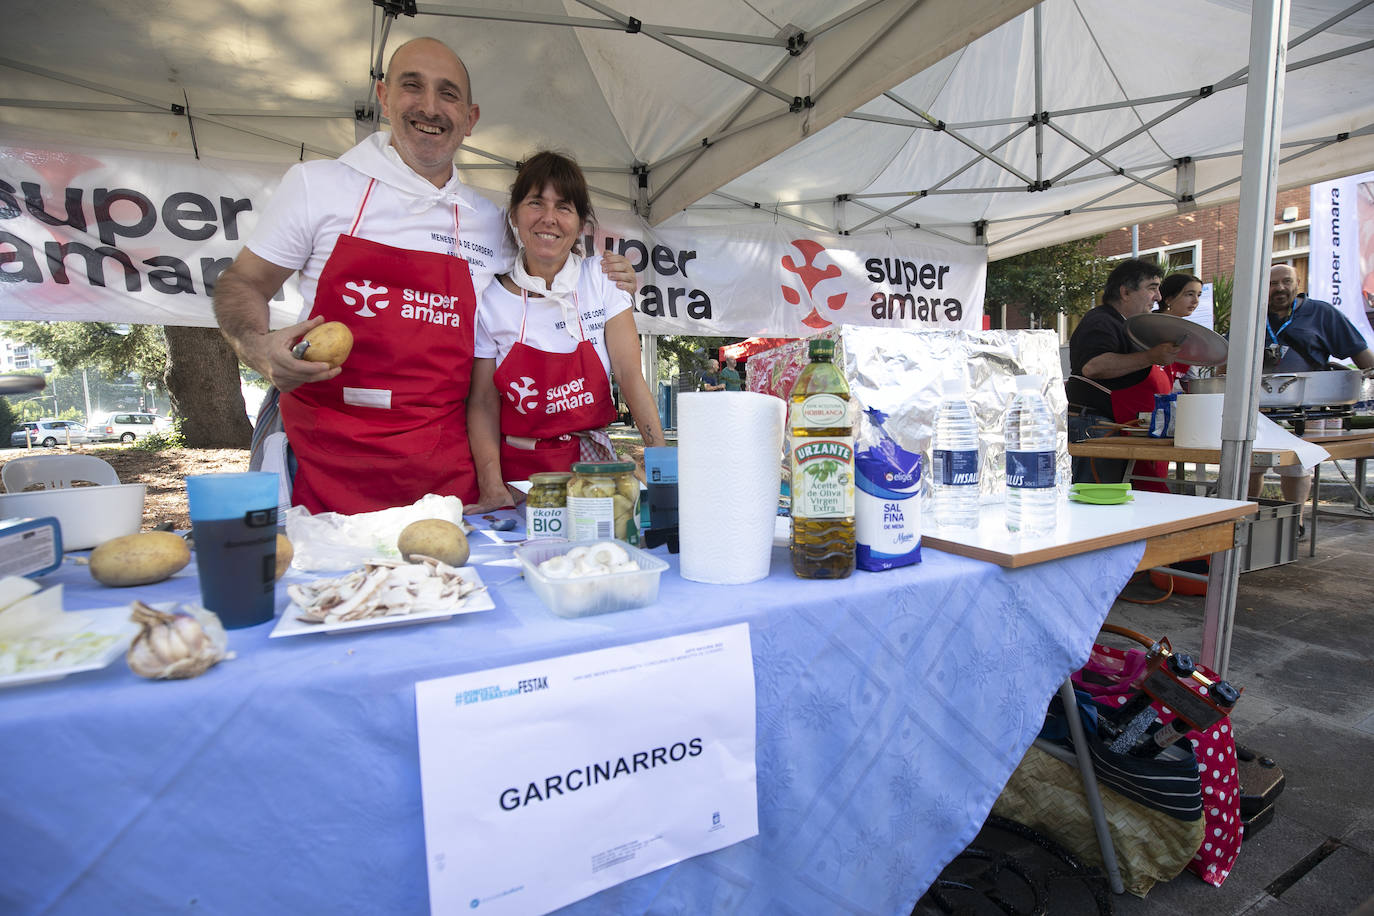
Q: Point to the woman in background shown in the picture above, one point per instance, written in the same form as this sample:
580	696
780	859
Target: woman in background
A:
1178	296
549	335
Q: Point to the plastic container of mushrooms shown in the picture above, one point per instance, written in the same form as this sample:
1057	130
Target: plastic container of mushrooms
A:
582	578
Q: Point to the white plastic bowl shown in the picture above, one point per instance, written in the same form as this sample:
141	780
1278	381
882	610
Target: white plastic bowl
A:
583	597
88	516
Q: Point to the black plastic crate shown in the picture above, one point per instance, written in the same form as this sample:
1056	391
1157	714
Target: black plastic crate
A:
1273	535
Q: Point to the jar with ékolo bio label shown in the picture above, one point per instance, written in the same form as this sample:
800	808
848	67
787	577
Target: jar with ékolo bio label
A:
546	505
603	501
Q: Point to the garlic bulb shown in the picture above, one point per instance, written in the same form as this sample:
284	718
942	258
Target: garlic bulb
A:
175	645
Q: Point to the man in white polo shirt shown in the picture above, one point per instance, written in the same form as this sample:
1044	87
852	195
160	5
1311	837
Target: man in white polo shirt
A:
391	243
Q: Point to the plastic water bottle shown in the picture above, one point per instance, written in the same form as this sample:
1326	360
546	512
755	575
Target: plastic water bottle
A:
954	459
1032	500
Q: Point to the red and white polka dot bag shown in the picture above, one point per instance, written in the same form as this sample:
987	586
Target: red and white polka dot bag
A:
1215	750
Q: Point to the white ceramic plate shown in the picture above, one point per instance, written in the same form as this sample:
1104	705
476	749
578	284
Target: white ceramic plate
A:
108	620
289	624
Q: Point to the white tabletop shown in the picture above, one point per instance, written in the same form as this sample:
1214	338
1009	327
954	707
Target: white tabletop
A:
1082	527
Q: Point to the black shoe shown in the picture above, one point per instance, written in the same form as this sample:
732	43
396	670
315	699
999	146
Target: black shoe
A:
1302	531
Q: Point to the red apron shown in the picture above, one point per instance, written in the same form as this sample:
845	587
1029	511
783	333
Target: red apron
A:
392	426
545	398
1127	405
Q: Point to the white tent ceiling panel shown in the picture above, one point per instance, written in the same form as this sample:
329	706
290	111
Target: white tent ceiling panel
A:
268	81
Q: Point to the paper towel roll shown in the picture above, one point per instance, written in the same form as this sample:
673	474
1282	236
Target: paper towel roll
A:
729	469
1197	420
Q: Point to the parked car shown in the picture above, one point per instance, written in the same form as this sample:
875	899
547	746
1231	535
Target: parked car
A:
126	427
48	433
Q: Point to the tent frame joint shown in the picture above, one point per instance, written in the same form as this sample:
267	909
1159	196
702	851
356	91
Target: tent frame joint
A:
800	103
633	26
797	43
1205	91
396	8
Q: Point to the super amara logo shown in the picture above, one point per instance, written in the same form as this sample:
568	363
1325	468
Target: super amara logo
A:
430	308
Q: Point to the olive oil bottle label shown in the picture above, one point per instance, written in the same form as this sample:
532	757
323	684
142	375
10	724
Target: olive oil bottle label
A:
822	476
821	411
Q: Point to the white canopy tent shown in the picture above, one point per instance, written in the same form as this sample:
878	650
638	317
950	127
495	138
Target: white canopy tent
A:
1001	125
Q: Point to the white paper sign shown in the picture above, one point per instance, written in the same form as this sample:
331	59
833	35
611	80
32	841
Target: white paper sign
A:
548	781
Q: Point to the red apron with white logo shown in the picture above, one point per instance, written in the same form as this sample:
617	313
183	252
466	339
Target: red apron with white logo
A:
1127	406
546	397
392	426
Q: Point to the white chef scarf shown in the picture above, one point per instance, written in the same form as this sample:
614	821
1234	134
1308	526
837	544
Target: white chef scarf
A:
564	290
376	158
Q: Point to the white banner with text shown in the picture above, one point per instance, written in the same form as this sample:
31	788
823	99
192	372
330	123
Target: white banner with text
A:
141	237
1340	268
545	782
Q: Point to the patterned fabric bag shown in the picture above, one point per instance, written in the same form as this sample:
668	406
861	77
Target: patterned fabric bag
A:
1107	677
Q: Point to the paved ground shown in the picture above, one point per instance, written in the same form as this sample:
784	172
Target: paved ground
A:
1304	651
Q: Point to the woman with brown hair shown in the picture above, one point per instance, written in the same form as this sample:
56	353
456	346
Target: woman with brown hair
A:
549	335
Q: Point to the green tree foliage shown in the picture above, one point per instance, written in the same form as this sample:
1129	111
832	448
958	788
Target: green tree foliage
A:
1062	278
119	349
7	422
686	356
1223	289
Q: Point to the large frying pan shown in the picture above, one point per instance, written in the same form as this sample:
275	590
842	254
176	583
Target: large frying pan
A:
1198	345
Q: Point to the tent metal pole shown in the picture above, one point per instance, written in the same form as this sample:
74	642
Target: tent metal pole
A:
1254	242
658	35
1039	25
984	153
1119	170
576	22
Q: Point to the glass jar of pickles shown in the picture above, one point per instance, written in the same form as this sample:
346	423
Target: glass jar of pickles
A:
546	505
603	501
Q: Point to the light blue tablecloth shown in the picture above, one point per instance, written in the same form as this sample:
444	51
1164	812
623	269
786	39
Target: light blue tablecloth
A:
891	709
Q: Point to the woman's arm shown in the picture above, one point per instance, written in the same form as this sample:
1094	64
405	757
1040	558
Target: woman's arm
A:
484	437
622	343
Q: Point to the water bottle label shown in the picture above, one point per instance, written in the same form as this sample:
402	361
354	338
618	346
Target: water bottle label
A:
1030	470
955	467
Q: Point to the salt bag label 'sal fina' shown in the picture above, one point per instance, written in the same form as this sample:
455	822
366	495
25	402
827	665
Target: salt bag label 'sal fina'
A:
887	508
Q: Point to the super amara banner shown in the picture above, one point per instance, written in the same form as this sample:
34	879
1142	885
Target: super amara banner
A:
124	237
141	238
1340	267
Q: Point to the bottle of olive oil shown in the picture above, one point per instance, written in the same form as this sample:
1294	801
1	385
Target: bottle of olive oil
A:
820	444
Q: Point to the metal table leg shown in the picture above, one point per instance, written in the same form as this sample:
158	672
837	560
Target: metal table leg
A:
1316	486
1085	769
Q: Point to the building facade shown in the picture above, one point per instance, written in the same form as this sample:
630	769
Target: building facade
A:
1203	243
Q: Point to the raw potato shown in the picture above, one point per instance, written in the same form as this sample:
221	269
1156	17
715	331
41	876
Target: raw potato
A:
434	537
139	559
330	343
284	554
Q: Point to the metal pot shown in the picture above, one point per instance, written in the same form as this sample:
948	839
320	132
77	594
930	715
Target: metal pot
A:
1215	384
1328	388
1332	387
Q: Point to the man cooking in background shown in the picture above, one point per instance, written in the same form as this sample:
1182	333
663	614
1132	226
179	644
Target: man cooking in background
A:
1301	335
1111	380
391	243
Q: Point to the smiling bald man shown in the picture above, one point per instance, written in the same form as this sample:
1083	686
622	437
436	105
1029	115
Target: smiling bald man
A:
391	243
